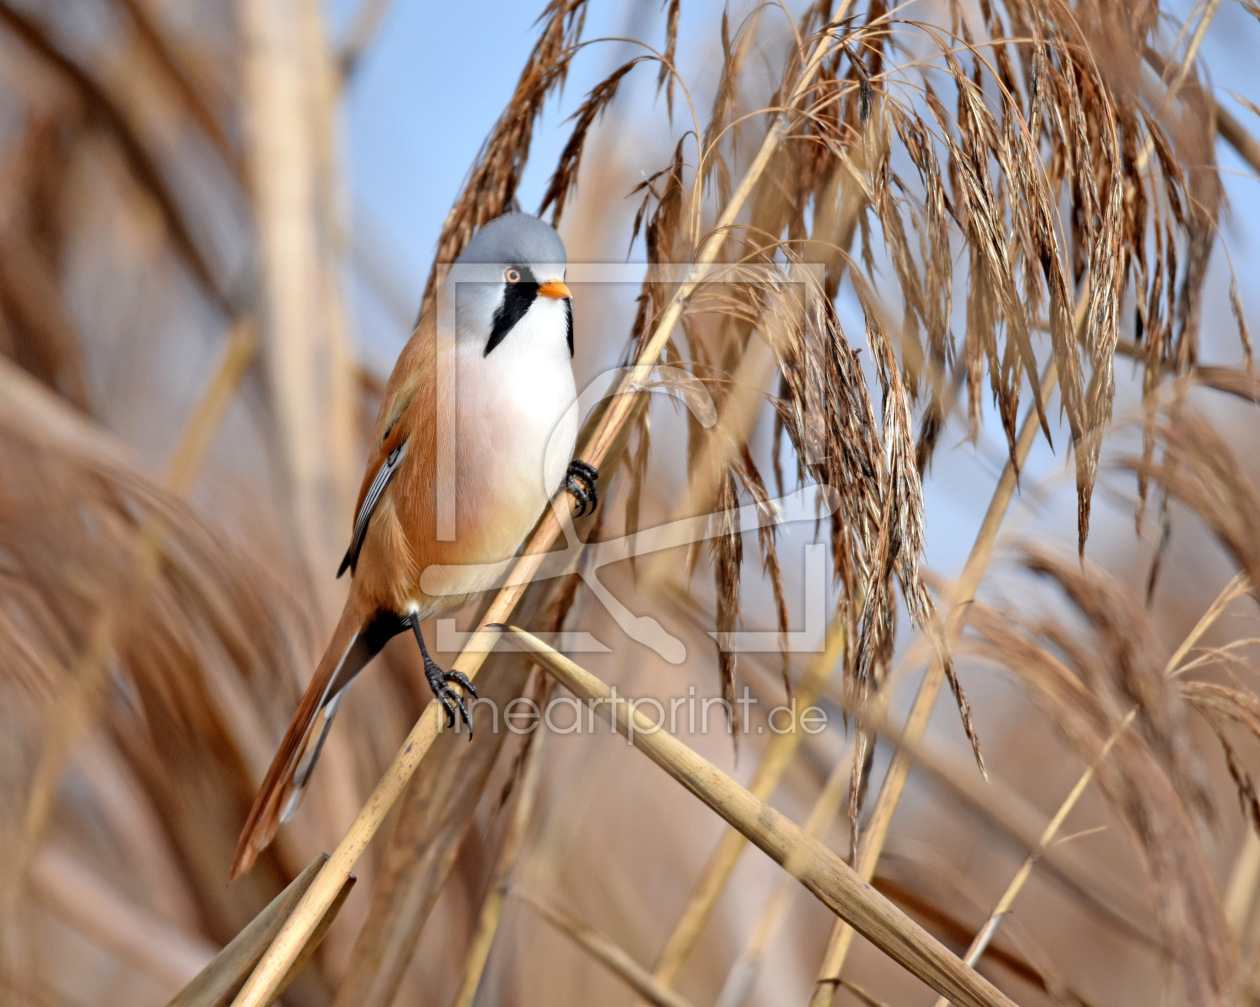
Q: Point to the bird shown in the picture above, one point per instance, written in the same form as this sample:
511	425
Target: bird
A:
495	351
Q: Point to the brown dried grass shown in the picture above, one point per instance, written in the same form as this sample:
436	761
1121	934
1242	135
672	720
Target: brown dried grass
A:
985	196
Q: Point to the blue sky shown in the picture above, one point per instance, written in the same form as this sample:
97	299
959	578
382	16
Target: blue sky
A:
431	88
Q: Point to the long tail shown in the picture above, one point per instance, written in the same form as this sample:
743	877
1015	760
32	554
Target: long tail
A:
355	641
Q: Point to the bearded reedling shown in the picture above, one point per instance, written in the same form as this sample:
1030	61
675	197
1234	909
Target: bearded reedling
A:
506	338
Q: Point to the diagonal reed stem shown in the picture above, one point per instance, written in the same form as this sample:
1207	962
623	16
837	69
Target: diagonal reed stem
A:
740	978
990	928
717	872
225	973
602	948
929	689
624	403
833	882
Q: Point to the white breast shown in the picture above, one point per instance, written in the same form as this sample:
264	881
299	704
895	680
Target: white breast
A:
517	426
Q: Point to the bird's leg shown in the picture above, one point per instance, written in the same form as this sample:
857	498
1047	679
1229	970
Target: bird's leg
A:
439	679
582	481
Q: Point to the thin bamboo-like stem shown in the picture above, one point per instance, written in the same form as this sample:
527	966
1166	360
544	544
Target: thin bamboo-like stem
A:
317	936
825	875
929	689
600	947
740	978
717	872
1183	71
599	446
987	932
1238	587
1009	812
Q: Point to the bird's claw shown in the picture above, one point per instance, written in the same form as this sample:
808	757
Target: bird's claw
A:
448	697
582	481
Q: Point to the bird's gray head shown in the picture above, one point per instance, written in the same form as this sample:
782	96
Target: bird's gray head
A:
513	267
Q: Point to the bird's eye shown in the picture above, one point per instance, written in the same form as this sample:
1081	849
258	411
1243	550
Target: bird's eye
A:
513	275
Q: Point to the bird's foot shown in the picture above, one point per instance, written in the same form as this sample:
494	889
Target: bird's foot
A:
439	682
582	481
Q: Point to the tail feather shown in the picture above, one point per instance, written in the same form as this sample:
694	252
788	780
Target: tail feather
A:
355	641
309	755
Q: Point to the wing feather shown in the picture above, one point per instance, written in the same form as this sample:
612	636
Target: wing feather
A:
370	499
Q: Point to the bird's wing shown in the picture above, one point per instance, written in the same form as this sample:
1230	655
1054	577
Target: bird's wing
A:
400	442
407	399
370	494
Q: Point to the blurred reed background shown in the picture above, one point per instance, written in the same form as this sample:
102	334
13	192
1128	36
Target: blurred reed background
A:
1020	216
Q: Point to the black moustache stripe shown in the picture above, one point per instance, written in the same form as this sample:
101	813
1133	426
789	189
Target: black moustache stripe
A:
517	297
568	318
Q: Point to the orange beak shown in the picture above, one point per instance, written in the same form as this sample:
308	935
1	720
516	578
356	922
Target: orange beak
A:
554	288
